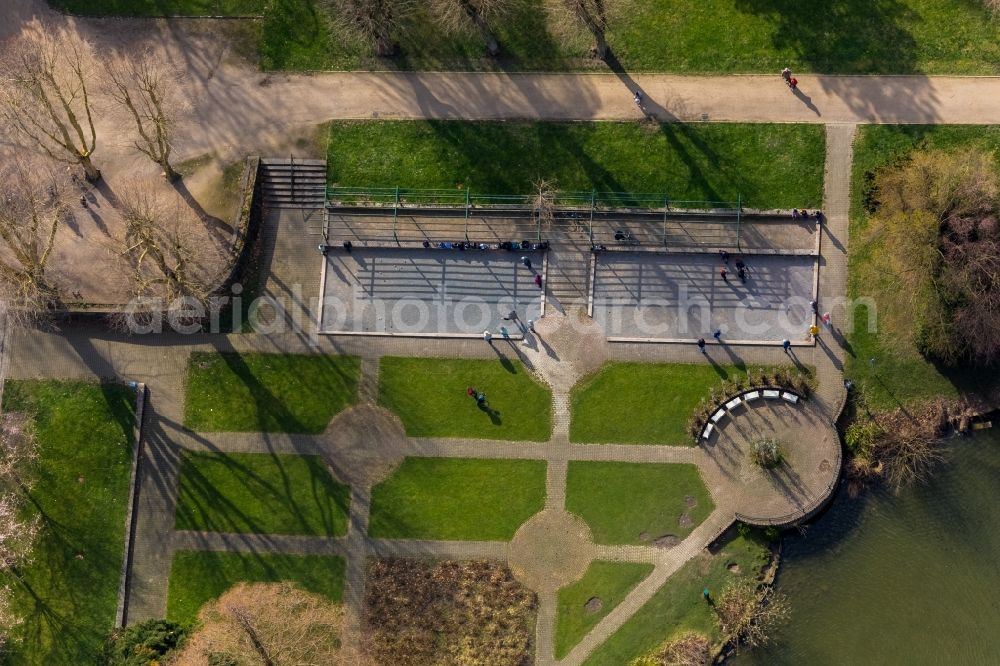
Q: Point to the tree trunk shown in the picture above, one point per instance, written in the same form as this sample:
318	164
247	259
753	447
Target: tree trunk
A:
93	173
168	170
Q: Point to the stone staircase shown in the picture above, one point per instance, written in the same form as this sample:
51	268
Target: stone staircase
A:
568	278
293	183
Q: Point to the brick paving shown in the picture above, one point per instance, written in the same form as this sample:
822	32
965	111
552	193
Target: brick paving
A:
564	350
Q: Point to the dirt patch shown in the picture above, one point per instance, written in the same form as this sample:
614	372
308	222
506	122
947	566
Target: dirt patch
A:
421	612
690	502
593	605
644	536
667	541
685	520
733	568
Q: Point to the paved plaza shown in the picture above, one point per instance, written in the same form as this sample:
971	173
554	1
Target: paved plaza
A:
429	292
641	295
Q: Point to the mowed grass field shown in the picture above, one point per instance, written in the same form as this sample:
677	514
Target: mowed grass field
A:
294	393
684	36
457	499
430	396
642	403
687	162
260	493
197	577
68	593
636	503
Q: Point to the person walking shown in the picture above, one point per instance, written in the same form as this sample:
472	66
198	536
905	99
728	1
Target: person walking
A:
786	344
815	307
814	331
724	273
786	74
538	281
488	337
793	83
717	335
526	262
505	333
826	319
531	325
638	98
725	257
701	345
742	272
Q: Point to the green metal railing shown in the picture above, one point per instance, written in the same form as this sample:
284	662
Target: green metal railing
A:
595	209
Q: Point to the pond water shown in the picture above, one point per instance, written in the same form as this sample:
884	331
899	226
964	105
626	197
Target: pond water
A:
912	578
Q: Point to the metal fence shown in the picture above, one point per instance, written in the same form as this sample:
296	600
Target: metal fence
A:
401	215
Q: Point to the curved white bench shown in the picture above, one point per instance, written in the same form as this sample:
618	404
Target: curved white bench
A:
771	394
718	415
790	397
751	395
734	403
707	432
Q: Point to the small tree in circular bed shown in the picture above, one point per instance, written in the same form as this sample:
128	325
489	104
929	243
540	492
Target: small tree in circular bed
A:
766	452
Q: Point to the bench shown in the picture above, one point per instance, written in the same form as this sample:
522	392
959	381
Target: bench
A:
771	394
751	395
707	432
790	397
718	415
734	403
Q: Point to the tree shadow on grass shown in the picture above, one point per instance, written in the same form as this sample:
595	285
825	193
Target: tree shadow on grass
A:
842	36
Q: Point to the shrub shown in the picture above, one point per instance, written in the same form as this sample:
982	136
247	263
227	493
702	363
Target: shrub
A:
766	452
937	223
690	649
142	644
748	613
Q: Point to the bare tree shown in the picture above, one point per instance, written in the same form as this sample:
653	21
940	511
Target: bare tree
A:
375	21
747	613
271	624
543	202
481	15
169	259
45	96
149	90
33	202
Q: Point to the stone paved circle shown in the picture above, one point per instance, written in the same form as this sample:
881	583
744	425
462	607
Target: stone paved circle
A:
364	444
551	550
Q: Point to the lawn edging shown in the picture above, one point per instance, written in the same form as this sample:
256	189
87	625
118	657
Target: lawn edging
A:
133	497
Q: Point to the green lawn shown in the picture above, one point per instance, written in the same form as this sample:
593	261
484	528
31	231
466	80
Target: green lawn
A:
901	374
642	403
429	395
268	392
678	606
716	162
686	36
68	593
260	493
621	501
197	577
608	581
457	499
